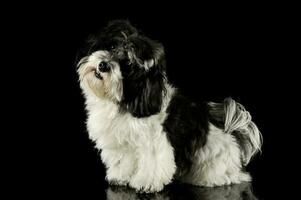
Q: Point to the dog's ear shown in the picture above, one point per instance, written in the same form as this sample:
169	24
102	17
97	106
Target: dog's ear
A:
146	96
159	56
143	93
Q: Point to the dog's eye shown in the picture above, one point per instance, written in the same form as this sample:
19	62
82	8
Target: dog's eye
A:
128	63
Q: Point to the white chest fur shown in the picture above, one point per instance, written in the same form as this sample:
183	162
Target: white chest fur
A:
111	129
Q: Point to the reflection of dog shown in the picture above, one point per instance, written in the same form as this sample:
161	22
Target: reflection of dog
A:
148	132
241	191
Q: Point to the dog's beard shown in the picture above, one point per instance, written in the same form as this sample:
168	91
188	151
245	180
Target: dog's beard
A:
104	85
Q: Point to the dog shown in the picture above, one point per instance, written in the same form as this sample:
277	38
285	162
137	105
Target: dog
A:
148	133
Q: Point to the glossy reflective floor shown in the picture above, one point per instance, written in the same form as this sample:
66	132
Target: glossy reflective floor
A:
185	192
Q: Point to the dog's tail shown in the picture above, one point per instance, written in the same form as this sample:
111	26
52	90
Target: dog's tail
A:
234	119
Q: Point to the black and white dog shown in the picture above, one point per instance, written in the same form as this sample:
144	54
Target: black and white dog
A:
150	134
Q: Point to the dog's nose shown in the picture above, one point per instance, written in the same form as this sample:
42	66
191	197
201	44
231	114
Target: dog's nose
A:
103	67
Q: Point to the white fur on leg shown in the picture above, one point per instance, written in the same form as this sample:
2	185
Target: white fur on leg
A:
218	162
156	166
120	165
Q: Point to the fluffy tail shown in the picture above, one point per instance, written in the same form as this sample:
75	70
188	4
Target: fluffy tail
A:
238	122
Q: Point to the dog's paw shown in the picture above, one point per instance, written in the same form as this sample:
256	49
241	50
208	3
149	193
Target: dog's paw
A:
115	176
117	182
146	186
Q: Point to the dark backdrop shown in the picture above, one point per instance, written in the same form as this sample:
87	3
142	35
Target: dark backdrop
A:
244	53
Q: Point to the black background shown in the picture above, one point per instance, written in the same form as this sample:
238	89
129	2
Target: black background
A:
246	52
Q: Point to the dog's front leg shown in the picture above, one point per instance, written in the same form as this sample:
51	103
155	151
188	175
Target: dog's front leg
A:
120	164
155	166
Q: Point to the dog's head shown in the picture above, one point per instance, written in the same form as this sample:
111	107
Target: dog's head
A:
124	66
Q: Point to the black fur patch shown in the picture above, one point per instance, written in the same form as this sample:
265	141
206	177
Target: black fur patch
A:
111	36
187	128
217	114
143	91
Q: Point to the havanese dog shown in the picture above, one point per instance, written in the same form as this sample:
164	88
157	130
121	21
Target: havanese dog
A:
148	133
